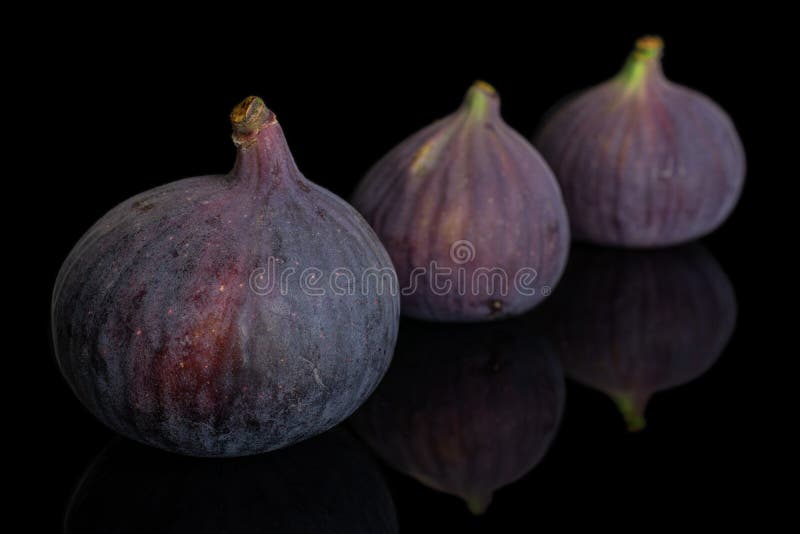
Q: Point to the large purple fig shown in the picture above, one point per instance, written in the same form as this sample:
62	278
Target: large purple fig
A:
326	484
470	214
466	410
643	162
197	317
631	324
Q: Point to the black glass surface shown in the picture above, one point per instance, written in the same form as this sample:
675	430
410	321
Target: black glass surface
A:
634	396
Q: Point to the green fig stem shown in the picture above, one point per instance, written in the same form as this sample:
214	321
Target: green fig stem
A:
632	408
478	504
480	99
645	59
248	118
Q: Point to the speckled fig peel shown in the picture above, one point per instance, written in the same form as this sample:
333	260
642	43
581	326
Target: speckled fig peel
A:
465	207
174	325
642	161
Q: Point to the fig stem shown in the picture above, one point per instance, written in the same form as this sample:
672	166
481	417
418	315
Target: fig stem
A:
632	409
478	504
649	46
248	118
645	57
479	98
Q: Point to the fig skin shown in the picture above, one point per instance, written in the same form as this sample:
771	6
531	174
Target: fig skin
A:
166	334
643	162
631	324
464	409
467	192
326	484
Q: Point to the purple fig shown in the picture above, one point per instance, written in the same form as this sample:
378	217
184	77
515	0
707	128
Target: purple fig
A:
466	410
326	484
196	317
631	324
470	214
643	162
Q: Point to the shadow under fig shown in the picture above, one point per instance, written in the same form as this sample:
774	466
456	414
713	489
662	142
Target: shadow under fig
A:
326	484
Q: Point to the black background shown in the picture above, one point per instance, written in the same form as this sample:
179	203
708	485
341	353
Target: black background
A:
137	109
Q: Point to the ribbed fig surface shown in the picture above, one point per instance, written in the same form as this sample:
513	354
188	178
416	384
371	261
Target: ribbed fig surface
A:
470	214
466	410
642	161
631	324
199	316
326	484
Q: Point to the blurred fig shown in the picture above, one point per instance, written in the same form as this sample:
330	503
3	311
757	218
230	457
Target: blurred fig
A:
470	214
466	410
631	324
642	161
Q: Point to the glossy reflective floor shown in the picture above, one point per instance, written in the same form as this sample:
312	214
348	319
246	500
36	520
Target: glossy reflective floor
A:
609	403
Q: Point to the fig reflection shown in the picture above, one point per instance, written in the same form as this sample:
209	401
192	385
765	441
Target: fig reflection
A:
466	409
326	484
631	324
